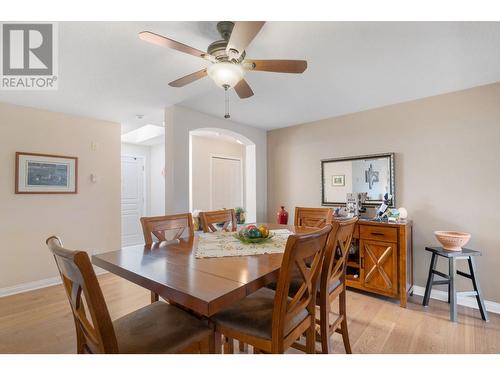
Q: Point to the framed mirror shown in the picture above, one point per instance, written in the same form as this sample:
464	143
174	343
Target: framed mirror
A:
371	174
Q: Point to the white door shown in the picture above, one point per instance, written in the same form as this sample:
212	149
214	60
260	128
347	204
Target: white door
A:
132	200
227	183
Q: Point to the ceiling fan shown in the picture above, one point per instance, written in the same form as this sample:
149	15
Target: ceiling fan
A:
227	56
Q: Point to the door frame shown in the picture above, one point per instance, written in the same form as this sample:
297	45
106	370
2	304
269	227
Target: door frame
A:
220	156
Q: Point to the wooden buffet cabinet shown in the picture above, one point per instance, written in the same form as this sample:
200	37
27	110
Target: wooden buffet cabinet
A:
381	259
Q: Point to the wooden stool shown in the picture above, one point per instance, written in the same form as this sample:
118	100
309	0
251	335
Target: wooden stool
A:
450	278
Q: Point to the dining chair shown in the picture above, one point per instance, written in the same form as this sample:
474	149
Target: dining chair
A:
313	217
227	217
166	228
156	328
331	285
271	321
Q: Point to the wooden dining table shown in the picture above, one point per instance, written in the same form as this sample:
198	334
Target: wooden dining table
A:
204	285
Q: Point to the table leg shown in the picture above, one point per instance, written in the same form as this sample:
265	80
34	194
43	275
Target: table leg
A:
430	279
215	341
475	284
453	289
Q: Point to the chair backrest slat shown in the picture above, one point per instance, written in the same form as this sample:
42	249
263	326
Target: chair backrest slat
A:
303	256
166	228
227	217
94	328
335	261
312	217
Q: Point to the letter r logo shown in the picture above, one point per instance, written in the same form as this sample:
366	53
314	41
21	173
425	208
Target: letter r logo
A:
27	49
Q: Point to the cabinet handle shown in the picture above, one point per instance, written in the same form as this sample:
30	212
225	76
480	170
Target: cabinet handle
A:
377	234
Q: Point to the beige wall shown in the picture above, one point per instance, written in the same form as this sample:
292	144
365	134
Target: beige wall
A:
447	167
157	182
203	148
179	122
88	220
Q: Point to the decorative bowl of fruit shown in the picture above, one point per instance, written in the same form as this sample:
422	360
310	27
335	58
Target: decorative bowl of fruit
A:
254	234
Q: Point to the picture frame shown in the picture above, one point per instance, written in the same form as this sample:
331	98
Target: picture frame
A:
375	175
338	180
46	174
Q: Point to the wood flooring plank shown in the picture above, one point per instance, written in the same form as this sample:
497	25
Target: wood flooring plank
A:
40	321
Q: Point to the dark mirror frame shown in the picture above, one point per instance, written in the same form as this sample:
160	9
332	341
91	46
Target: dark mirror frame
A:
392	178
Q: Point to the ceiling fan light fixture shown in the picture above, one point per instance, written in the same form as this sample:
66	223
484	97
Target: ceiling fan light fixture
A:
226	73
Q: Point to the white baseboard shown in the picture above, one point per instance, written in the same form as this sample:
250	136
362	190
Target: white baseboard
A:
442	295
33	285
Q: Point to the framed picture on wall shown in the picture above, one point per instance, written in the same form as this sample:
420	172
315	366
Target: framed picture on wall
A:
46	174
370	174
338	180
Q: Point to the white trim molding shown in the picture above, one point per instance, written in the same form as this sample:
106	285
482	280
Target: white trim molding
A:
39	284
442	295
32	285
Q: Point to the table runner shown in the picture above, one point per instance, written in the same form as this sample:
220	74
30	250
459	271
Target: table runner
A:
224	244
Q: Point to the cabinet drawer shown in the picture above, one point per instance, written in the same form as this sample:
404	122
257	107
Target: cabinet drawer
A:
378	233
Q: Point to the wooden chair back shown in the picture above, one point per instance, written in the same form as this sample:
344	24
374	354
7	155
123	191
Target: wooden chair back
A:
303	253
335	262
166	228
94	328
313	217
209	218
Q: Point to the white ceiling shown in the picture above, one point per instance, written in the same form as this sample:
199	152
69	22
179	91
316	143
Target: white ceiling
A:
106	72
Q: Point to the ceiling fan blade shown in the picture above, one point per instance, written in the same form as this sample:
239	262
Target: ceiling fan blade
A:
189	78
241	36
278	66
243	89
170	43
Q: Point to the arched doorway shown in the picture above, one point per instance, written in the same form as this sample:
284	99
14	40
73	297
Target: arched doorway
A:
249	167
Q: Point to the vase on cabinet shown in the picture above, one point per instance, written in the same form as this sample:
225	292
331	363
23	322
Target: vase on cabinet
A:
282	216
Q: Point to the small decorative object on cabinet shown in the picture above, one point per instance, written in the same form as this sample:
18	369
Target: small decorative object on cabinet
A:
240	215
403	213
384	262
282	216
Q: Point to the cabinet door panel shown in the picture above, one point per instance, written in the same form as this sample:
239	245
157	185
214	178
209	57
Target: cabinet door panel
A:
380	266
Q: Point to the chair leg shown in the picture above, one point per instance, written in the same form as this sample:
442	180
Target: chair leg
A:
228	345
243	347
154	297
449	292
215	345
430	279
324	327
477	289
205	345
453	289
311	339
343	325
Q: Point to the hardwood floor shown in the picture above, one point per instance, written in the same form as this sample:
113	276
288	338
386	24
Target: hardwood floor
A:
41	322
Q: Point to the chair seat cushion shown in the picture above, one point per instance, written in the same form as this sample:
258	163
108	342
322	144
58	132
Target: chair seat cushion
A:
158	328
253	315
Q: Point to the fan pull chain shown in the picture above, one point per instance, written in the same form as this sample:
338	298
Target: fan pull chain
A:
226	101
